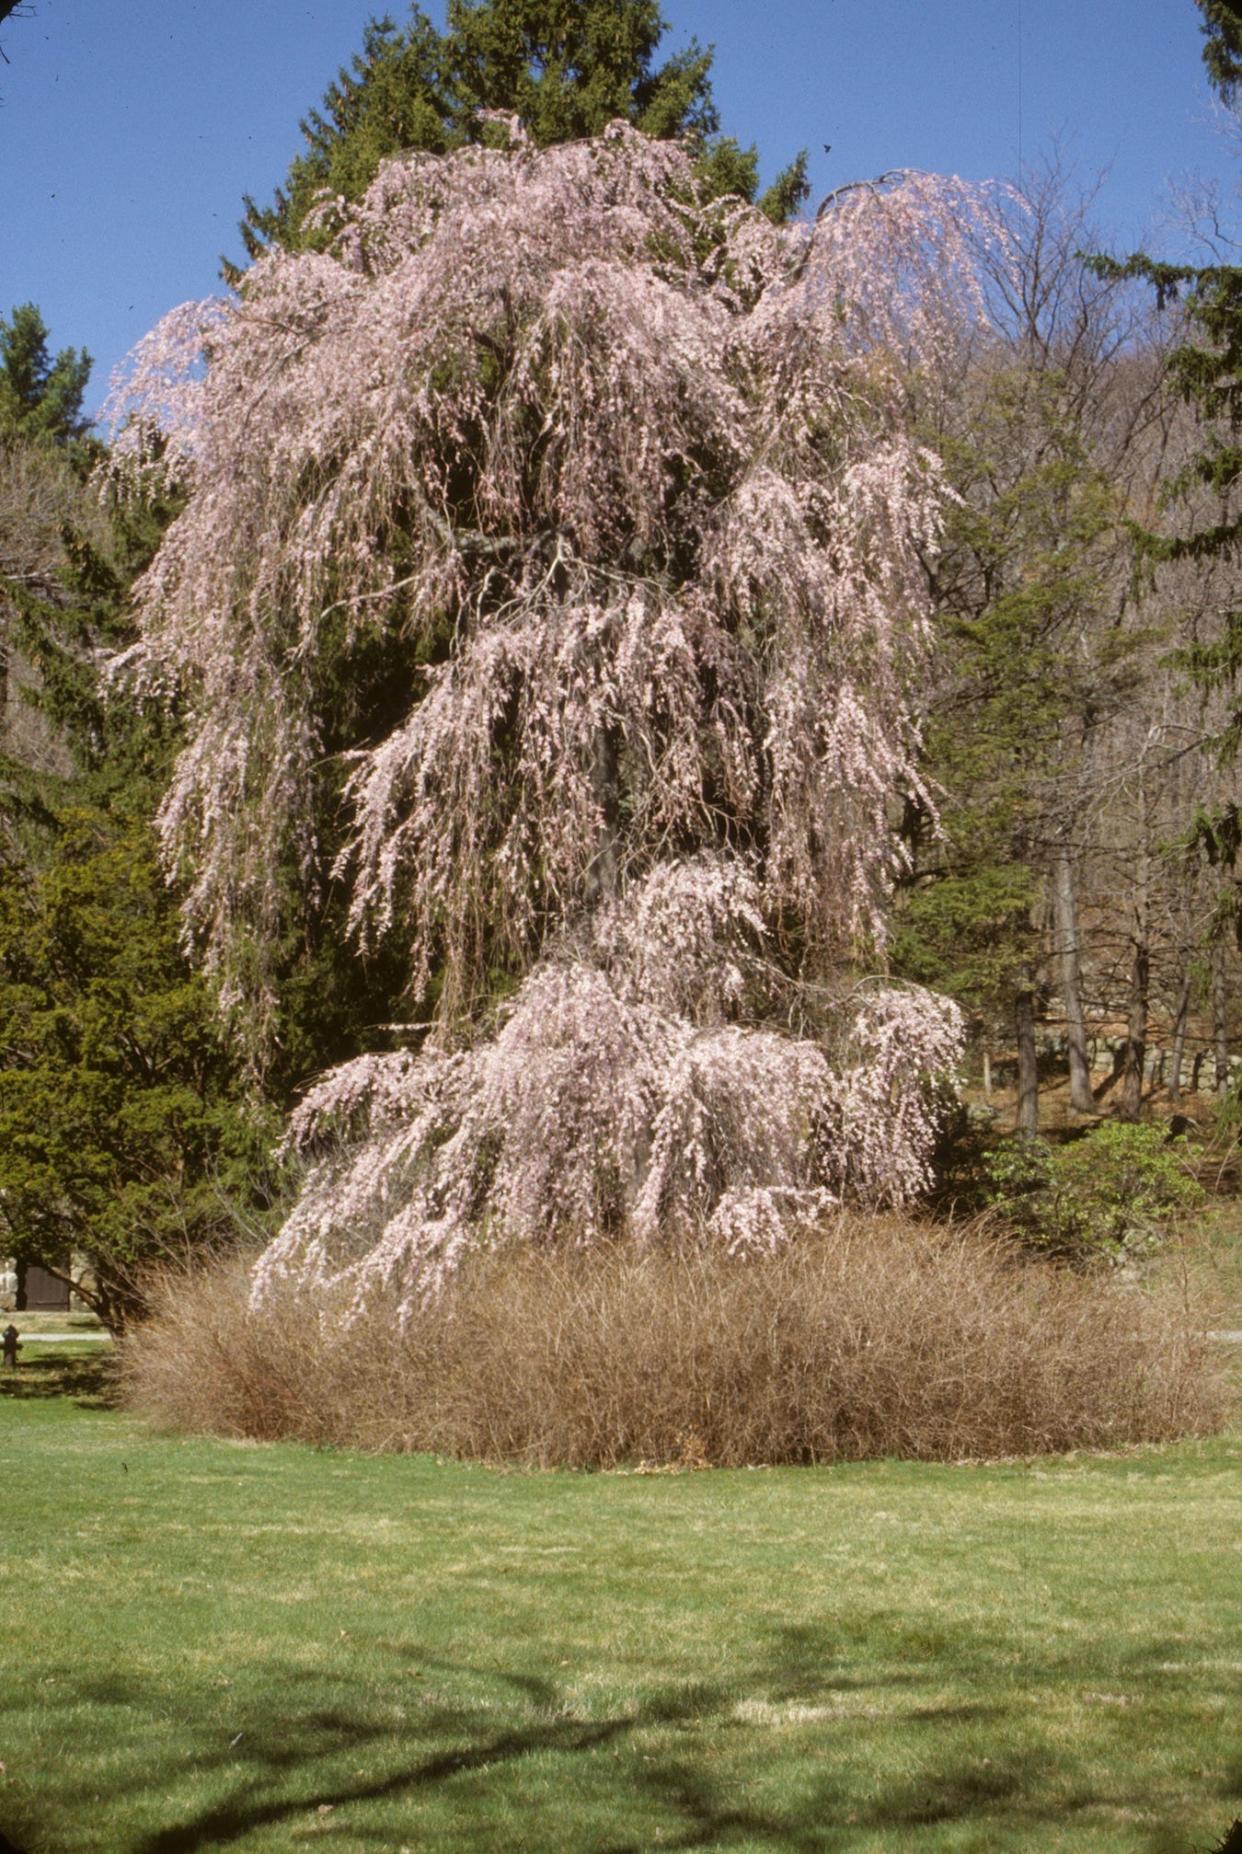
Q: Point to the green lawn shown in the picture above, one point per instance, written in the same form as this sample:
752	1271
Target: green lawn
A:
30	1323
258	1648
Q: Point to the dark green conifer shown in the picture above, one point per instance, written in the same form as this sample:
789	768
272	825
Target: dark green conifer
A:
40	394
565	67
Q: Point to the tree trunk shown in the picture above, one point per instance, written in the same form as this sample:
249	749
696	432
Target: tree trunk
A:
1134	1050
1065	919
987	1073
1028	1070
603	877
1220	1018
1179	1040
1131	1104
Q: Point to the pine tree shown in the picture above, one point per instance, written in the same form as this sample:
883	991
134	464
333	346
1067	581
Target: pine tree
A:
1222	27
125	1123
126	1132
40	395
565	68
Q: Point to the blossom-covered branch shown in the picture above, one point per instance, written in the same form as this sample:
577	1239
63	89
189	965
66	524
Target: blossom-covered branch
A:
614	480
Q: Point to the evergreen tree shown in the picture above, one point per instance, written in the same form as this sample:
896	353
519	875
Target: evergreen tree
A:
394	96
1222	27
126	1129
40	394
126	1135
565	68
43	461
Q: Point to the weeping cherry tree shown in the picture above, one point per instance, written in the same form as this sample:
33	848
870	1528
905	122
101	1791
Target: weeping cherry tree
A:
604	492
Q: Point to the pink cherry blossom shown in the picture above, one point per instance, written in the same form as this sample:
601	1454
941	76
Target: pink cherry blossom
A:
630	471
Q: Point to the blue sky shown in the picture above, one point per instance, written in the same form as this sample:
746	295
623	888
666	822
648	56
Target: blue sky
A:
129	133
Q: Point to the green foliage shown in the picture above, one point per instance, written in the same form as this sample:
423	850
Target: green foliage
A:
60	632
569	67
332	1002
124	1131
394	96
40	395
1020	580
1222	54
964	931
566	68
1114	1195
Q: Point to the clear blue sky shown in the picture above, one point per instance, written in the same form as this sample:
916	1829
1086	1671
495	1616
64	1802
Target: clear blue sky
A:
129	132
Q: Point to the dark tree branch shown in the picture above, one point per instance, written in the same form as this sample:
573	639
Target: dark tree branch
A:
12	9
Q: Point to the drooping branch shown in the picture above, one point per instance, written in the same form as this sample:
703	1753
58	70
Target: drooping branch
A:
616	1099
615	480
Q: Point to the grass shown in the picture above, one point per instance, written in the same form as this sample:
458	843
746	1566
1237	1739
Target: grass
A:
1215	1263
29	1324
214	1645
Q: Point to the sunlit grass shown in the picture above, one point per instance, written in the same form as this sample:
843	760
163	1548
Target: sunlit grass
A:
74	1322
211	1645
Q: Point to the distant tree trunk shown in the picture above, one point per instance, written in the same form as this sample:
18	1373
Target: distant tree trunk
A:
1028	1069
1065	917
1179	1039
987	1072
1131	1104
1220	1017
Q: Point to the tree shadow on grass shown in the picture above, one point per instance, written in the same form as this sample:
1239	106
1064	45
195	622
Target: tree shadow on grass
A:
277	1750
90	1383
670	1760
827	1816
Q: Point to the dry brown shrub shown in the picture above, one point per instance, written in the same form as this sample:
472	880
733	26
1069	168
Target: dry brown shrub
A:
882	1337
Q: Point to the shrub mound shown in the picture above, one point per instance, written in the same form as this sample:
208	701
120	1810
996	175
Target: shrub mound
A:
882	1337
